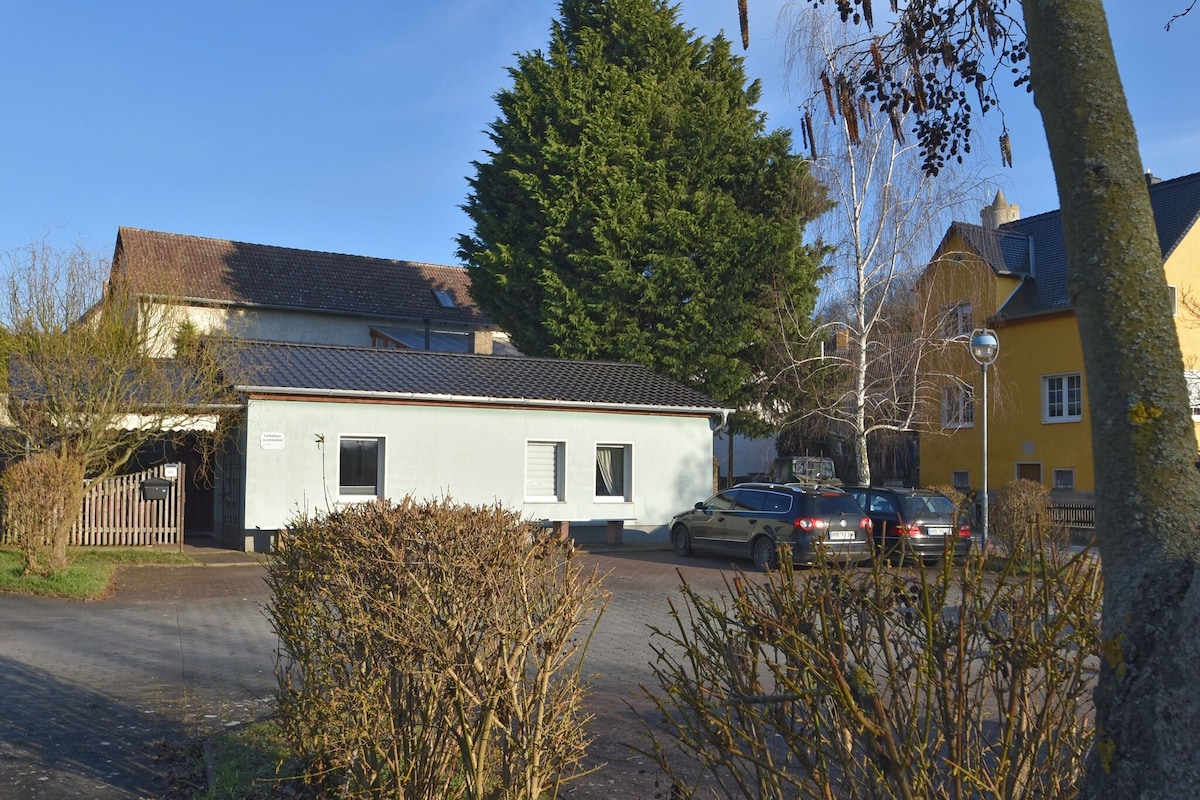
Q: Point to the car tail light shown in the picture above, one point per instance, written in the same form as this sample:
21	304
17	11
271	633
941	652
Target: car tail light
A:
910	530
964	529
866	524
808	523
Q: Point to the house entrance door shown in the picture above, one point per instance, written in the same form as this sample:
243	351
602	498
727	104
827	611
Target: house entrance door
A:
1028	471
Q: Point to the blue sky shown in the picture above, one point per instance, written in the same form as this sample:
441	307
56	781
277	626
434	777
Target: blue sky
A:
350	127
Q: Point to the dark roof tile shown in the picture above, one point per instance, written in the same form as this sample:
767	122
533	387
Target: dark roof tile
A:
276	366
1043	257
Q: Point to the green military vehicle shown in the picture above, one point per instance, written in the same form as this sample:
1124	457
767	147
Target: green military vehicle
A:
808	470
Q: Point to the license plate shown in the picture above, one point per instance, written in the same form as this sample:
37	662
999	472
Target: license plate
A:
835	535
941	531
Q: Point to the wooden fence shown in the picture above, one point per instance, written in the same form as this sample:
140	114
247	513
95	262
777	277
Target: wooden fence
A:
114	513
1074	516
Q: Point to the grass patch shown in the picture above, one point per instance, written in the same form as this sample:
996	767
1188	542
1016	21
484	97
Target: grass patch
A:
88	574
253	762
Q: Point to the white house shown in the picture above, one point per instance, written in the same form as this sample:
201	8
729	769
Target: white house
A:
367	377
570	443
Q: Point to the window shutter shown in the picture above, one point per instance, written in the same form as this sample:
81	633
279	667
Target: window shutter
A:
541	469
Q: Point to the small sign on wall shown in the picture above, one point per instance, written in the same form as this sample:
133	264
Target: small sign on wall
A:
171	471
270	440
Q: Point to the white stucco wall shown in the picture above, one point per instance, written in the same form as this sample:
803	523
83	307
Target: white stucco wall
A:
285	326
474	455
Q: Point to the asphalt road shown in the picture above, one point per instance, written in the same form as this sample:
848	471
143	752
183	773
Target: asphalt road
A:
92	695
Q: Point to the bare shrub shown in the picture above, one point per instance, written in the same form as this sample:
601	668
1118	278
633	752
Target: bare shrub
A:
432	650
42	496
1020	520
882	684
962	501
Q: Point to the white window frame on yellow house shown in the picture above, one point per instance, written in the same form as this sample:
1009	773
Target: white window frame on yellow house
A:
958	406
1064	401
1064	478
1193	385
958	320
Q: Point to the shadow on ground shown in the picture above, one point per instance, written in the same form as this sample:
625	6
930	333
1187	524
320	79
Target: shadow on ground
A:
57	740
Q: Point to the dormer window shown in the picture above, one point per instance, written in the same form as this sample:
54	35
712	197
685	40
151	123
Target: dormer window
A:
444	298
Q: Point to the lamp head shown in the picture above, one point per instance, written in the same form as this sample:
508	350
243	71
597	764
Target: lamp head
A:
984	346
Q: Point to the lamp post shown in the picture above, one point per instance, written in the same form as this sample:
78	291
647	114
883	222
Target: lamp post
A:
984	349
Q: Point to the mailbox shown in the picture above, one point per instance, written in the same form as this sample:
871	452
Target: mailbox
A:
156	488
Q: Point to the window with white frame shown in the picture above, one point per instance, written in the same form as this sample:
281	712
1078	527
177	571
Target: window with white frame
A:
1064	479
958	406
360	466
1193	385
960	479
613	468
958	320
544	471
1062	398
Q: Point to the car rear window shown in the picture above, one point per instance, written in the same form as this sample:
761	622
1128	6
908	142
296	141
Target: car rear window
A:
776	502
934	505
830	504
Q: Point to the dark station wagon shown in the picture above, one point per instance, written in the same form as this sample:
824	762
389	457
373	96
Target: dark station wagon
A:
914	523
751	520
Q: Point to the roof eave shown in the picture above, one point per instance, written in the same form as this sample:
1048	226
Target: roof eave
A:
533	402
477	322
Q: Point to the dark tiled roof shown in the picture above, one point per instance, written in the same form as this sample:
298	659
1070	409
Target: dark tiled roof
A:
275	366
225	272
172	379
1047	292
1006	251
1035	246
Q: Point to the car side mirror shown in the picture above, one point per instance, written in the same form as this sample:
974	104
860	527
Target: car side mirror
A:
700	506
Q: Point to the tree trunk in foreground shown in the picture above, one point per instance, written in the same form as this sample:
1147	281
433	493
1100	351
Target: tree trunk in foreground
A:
1147	489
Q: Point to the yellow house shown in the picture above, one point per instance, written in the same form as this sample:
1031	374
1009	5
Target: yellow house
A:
1009	274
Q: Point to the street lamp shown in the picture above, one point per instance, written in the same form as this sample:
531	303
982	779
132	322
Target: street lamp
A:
984	349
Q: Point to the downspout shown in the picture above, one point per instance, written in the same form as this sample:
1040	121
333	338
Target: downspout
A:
730	459
716	422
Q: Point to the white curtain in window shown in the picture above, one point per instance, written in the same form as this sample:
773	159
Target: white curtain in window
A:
605	484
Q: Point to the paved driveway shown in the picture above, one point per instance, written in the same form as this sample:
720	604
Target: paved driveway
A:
89	692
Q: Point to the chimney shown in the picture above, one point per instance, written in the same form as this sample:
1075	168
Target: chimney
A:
1151	179
999	212
841	340
481	342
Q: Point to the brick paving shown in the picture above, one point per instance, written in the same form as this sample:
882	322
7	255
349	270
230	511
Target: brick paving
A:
89	692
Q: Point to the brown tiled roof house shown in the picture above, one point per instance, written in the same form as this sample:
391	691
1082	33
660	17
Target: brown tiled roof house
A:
288	294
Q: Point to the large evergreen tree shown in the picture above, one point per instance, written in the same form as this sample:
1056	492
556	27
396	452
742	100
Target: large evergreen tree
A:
634	206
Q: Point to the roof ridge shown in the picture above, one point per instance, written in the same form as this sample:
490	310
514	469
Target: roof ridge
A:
297	368
288	248
440	353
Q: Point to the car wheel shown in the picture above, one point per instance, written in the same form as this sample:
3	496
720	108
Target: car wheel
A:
681	540
765	556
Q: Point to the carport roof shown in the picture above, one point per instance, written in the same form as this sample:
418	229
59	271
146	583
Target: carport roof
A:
301	369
